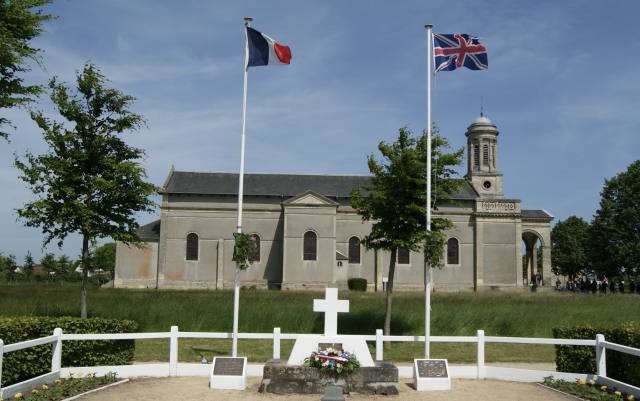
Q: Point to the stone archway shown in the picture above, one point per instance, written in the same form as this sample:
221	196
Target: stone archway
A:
531	241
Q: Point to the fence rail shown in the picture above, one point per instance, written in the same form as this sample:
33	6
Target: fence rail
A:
480	370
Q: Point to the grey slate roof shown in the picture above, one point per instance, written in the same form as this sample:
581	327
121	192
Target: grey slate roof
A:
150	232
536	214
283	185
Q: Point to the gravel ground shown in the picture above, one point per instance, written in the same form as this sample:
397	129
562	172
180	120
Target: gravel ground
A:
197	389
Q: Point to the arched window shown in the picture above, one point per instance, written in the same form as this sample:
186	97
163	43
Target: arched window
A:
476	156
192	246
255	238
310	246
485	154
354	250
453	252
403	256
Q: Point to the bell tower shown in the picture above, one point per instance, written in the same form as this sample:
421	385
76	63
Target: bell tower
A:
482	158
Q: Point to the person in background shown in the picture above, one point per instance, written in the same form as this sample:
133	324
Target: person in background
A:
632	287
621	286
612	286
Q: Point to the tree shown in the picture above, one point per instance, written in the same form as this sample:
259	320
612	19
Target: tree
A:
27	267
8	267
395	201
19	24
90	181
570	246
615	239
104	257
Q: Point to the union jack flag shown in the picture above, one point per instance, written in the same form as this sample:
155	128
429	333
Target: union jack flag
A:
451	51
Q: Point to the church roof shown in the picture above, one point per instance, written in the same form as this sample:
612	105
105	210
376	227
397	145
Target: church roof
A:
536	214
150	232
283	185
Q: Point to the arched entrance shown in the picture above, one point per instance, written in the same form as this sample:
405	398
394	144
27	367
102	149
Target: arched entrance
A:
532	261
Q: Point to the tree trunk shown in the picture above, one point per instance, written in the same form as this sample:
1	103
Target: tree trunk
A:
387	313
85	272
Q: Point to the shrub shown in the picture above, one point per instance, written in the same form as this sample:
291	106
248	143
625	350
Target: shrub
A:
581	359
357	284
31	362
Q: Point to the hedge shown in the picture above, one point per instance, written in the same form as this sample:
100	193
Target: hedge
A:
582	359
357	284
24	364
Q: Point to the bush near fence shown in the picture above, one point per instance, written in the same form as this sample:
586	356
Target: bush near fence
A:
357	284
578	359
31	362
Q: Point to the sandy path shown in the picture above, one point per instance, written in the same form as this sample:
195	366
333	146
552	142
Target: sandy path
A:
196	388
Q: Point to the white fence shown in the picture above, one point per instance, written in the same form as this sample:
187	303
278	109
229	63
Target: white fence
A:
480	370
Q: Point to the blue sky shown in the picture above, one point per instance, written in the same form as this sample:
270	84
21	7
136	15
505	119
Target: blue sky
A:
562	87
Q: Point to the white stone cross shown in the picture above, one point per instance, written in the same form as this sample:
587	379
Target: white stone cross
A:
330	305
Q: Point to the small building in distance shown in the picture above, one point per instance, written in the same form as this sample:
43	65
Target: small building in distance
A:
307	235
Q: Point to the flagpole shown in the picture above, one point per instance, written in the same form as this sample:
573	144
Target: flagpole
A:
427	287
236	287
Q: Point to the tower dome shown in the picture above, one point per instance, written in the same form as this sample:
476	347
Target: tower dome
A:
482	157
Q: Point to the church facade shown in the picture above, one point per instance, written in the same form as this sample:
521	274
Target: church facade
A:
307	235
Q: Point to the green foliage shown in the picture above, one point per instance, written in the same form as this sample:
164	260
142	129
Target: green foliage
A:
357	284
90	181
615	240
580	359
243	250
20	23
68	387
28	266
31	362
104	258
8	267
590	391
570	246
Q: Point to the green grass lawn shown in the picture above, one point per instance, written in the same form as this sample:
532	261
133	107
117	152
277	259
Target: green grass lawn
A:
520	314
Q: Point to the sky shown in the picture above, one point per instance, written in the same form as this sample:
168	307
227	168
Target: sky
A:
562	88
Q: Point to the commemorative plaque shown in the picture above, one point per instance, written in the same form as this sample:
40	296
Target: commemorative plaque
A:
431	374
335	346
228	373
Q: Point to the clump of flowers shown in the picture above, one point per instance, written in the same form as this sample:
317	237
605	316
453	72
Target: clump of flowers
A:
580	382
18	396
333	361
603	388
631	397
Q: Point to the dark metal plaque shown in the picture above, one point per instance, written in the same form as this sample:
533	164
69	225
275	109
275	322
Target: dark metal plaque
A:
431	368
335	346
228	366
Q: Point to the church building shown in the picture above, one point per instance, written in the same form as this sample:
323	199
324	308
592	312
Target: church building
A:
308	236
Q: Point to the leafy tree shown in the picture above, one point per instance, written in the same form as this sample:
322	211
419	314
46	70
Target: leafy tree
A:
570	246
20	23
395	200
8	267
615	239
104	257
90	181
50	266
27	267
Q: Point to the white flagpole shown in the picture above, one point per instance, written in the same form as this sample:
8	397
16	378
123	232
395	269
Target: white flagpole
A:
236	287
427	287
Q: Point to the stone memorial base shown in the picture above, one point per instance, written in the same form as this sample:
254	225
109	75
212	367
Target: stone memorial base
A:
280	378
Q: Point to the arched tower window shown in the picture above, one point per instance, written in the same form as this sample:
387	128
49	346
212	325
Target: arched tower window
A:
192	246
404	257
485	154
310	246
453	252
255	257
354	250
476	156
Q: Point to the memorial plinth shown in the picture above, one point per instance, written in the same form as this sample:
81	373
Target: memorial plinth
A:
228	373
431	374
280	378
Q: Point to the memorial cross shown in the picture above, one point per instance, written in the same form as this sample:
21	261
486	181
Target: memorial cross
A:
330	305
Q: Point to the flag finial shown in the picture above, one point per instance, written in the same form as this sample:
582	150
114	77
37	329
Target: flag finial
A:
247	20
481	106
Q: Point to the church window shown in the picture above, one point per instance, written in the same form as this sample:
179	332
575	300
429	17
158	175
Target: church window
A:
354	250
255	257
192	246
453	252
476	156
310	246
485	154
403	256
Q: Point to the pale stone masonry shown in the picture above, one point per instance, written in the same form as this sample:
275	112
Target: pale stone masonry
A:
483	248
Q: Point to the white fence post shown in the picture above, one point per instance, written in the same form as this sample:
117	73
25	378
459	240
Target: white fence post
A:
480	361
56	357
601	356
173	351
1	356
379	355
276	343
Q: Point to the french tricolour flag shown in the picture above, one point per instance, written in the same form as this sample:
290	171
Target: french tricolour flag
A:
265	51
